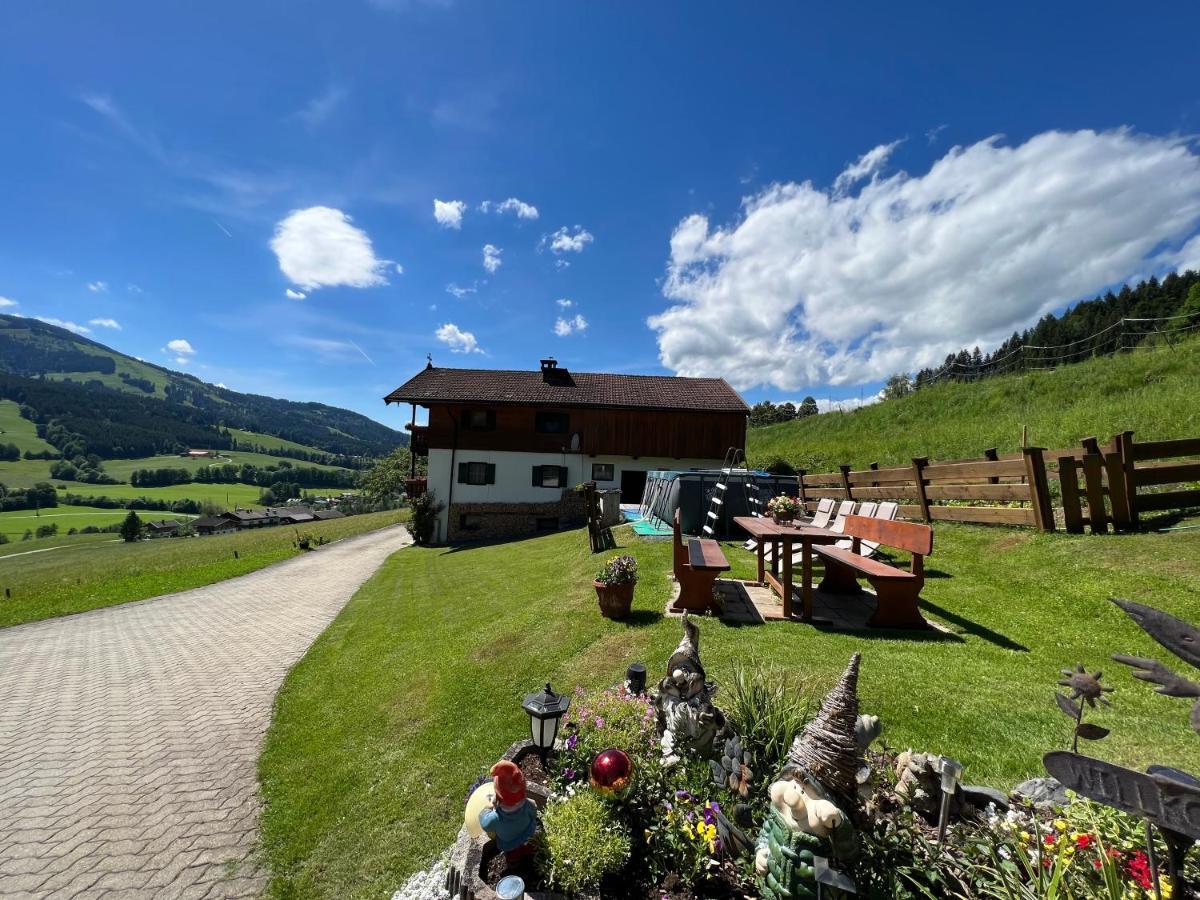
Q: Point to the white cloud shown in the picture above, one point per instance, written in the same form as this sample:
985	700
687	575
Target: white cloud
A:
458	291
98	287
457	340
5	303
399	269
319	247
1188	257
811	286
317	110
70	326
294	295
180	347
491	257
106	323
566	241
222	385
825	404
573	325
565	303
449	213
562	264
867	166
134	289
511	205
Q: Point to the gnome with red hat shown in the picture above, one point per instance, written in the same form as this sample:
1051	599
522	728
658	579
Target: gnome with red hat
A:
511	819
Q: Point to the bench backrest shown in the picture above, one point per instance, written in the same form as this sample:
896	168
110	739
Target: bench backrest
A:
910	536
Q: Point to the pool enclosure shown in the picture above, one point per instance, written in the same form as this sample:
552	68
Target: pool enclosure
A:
691	492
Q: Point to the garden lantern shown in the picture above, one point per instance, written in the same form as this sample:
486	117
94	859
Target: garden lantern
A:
635	678
951	775
546	710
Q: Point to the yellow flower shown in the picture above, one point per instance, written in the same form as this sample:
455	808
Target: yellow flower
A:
1024	836
1060	824
1164	885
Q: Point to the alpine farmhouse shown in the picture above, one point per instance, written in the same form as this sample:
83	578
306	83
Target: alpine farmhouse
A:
507	448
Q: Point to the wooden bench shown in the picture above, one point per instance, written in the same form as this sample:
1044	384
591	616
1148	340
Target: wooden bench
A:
697	563
896	589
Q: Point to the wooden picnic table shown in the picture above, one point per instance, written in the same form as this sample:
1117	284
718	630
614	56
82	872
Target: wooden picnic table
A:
782	538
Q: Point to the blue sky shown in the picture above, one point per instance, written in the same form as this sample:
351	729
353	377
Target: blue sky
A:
797	198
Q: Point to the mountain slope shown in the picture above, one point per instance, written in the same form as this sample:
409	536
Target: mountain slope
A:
1151	391
123	406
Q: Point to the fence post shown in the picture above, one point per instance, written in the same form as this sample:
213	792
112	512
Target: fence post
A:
991	455
1125	443
846	481
1093	481
1068	483
1118	494
873	467
919	463
800	481
1039	488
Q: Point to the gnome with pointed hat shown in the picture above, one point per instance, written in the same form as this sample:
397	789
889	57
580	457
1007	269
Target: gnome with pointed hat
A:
687	718
511	817
813	798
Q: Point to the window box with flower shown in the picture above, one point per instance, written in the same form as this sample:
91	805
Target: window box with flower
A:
614	585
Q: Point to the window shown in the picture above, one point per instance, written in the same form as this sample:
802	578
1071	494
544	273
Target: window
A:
550	476
602	472
552	423
476	473
479	420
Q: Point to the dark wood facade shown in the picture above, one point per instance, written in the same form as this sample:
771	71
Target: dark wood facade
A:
674	434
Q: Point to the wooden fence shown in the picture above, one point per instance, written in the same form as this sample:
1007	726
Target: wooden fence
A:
1098	486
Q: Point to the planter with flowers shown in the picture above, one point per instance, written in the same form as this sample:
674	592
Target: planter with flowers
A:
614	586
783	508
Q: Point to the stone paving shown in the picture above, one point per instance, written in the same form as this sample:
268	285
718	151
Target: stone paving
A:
129	736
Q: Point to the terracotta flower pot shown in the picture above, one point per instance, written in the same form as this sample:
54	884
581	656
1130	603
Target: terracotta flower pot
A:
615	599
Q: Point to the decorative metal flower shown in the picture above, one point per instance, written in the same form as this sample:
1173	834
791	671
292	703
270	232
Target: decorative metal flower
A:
1085	686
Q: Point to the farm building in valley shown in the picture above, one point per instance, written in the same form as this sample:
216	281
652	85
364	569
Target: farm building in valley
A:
506	448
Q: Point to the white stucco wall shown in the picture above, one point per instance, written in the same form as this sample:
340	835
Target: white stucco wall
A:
514	475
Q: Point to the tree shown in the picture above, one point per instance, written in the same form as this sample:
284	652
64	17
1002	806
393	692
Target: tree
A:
386	478
898	385
131	528
1191	306
808	407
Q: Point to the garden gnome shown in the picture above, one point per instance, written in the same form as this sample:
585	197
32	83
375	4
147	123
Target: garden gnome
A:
686	715
808	816
511	819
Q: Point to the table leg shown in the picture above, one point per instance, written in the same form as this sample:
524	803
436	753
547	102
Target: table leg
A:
787	577
806	591
775	545
762	568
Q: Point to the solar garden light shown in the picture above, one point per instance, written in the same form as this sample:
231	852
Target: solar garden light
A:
635	678
951	775
546	710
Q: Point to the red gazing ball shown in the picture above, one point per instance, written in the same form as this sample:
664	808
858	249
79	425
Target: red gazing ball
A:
612	772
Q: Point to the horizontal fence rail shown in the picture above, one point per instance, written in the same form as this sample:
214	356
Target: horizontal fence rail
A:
1098	486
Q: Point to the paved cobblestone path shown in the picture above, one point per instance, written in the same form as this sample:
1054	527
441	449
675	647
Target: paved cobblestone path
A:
129	736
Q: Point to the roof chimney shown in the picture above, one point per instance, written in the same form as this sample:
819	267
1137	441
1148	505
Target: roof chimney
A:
549	363
552	374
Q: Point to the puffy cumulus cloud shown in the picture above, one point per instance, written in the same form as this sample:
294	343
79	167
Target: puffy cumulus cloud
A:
6	303
321	247
811	286
565	303
98	287
491	257
449	213
106	323
182	350
294	295
573	325
566	240
457	340
70	326
522	209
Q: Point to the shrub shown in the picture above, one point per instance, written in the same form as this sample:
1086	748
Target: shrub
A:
767	710
425	509
618	570
582	843
45	531
3	538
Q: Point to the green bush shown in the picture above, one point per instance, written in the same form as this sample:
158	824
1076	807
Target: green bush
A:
582	843
767	710
425	509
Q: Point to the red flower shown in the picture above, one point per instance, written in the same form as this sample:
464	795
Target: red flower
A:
1083	841
1050	839
1097	864
1139	870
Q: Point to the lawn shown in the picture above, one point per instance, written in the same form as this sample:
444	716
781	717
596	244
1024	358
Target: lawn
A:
16	522
417	685
89	575
20	431
122	469
226	496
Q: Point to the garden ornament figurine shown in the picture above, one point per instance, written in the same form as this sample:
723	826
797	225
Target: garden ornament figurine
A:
511	818
686	715
809	817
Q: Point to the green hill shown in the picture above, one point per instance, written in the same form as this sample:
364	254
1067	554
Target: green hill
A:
1154	391
123	407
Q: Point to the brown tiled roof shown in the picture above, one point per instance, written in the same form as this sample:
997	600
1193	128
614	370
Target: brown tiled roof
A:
529	388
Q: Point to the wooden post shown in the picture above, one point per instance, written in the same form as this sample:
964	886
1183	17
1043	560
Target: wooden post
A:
919	463
846	482
1068	482
873	467
1125	442
1118	496
1039	488
1093	481
991	455
803	499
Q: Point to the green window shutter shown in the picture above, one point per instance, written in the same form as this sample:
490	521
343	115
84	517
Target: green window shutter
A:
490	477
562	476
537	476
462	473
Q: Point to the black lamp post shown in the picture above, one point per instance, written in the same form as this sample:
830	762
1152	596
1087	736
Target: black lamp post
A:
546	710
